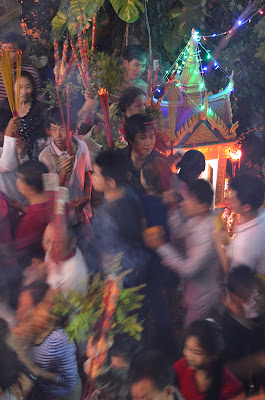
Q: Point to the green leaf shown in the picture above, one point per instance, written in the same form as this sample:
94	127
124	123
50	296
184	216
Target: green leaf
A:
127	10
261	52
59	23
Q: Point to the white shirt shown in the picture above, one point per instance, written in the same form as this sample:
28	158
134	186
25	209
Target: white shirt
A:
9	160
69	275
248	246
52	157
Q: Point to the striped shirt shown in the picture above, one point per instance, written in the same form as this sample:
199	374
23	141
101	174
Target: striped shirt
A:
35	75
56	354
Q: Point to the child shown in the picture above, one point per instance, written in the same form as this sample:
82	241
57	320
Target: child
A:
201	374
12	153
73	170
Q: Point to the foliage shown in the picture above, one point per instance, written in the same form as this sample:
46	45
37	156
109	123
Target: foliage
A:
261	52
50	95
84	312
69	11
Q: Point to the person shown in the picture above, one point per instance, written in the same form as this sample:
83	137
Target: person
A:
156	178
200	267
18	42
191	165
47	351
200	374
151	377
134	63
31	113
73	169
30	229
117	226
113	382
246	198
140	135
243	331
70	273
12	153
132	102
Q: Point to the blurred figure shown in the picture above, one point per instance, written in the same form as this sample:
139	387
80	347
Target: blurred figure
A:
46	349
29	232
201	374
200	268
151	377
70	272
113	383
191	165
243	329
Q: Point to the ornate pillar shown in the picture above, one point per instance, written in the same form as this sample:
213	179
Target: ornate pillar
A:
220	184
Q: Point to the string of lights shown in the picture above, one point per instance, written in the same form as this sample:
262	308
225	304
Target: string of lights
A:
183	55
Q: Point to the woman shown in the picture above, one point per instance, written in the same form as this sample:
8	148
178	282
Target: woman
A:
49	355
31	114
201	374
132	102
140	135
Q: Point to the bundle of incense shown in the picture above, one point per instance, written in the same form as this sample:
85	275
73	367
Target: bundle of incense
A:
172	97
166	89
108	306
104	101
75	54
69	132
149	83
51	186
94	33
56	61
7	69
61	201
63	67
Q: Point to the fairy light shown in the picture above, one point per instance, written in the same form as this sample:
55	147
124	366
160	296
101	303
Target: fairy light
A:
239	23
261	12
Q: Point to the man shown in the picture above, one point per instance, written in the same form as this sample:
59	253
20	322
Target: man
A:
246	198
152	377
134	62
200	269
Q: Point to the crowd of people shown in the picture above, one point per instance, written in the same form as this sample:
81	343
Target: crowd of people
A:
203	326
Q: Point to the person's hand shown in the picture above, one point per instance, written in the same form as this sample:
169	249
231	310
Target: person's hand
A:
79	203
16	205
67	166
21	147
171	200
13	126
154	237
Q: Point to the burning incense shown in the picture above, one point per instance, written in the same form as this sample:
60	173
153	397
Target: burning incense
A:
63	67
69	132
104	101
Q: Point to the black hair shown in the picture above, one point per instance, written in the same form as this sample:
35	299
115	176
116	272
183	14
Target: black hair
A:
202	190
113	164
38	290
32	172
135	124
134	52
128	97
249	189
27	75
5	116
16	38
210	338
10	366
191	165
124	346
158	175
153	365
54	116
242	275
4	329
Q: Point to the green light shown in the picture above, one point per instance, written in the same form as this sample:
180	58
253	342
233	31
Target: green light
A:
202	107
178	84
210	111
166	72
209	56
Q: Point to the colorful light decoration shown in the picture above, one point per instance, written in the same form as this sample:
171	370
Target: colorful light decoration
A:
235	157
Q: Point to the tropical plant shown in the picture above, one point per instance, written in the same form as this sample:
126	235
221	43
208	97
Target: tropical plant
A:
69	11
84	313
